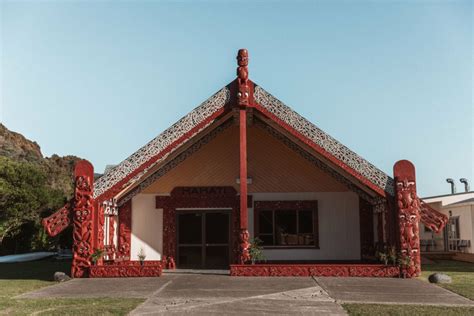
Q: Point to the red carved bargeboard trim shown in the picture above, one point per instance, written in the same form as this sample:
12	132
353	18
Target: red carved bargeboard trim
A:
130	269
432	219
225	198
112	191
305	270
58	221
320	150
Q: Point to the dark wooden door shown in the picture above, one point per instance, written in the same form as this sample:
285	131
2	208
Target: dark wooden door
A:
203	239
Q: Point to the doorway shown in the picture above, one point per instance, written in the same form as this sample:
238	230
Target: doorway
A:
203	239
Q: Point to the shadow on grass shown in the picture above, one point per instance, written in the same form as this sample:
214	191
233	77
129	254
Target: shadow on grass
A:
449	266
34	270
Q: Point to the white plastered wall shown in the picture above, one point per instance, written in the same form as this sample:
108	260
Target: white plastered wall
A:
339	230
466	222
147	227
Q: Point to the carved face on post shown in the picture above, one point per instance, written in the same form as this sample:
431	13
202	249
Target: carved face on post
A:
243	58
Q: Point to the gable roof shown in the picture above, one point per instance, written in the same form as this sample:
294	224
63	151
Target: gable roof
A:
161	146
336	152
136	165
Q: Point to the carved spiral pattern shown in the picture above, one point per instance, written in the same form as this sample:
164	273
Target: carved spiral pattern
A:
305	270
58	221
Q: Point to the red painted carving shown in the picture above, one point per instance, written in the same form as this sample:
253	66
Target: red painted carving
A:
225	197
58	221
320	150
124	230
243	93
127	269
432	219
243	100
83	217
408	215
116	188
100	225
366	226
305	270
202	192
244	245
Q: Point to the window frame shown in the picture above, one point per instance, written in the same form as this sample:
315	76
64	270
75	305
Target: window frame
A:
298	205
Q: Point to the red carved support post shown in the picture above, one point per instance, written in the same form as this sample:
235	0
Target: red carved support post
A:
124	230
83	219
243	96
100	221
409	216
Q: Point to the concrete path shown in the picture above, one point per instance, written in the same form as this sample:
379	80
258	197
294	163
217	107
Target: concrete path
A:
198	294
389	291
215	294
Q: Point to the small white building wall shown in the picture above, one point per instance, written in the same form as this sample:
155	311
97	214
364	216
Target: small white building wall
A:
147	227
449	199
339	230
465	212
458	204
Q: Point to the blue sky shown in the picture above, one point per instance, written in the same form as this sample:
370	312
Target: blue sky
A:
390	79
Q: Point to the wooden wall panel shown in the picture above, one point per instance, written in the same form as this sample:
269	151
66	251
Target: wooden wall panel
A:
272	166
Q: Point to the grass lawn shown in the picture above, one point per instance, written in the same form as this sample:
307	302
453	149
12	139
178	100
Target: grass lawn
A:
408	310
19	278
462	274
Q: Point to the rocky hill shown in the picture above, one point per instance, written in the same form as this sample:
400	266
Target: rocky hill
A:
59	169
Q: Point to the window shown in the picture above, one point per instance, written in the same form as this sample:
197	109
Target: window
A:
287	223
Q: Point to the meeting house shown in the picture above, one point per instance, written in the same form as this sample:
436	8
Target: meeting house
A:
244	183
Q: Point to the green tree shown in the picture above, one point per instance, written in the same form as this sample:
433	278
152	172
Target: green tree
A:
24	196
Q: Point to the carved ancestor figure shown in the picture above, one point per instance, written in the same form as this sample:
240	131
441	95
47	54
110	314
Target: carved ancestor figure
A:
124	230
244	246
408	217
243	93
82	219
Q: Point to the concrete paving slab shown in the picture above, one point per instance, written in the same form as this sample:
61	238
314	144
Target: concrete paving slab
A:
199	294
106	287
191	286
212	295
389	291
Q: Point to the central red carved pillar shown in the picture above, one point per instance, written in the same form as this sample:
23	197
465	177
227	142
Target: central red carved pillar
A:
243	96
409	216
